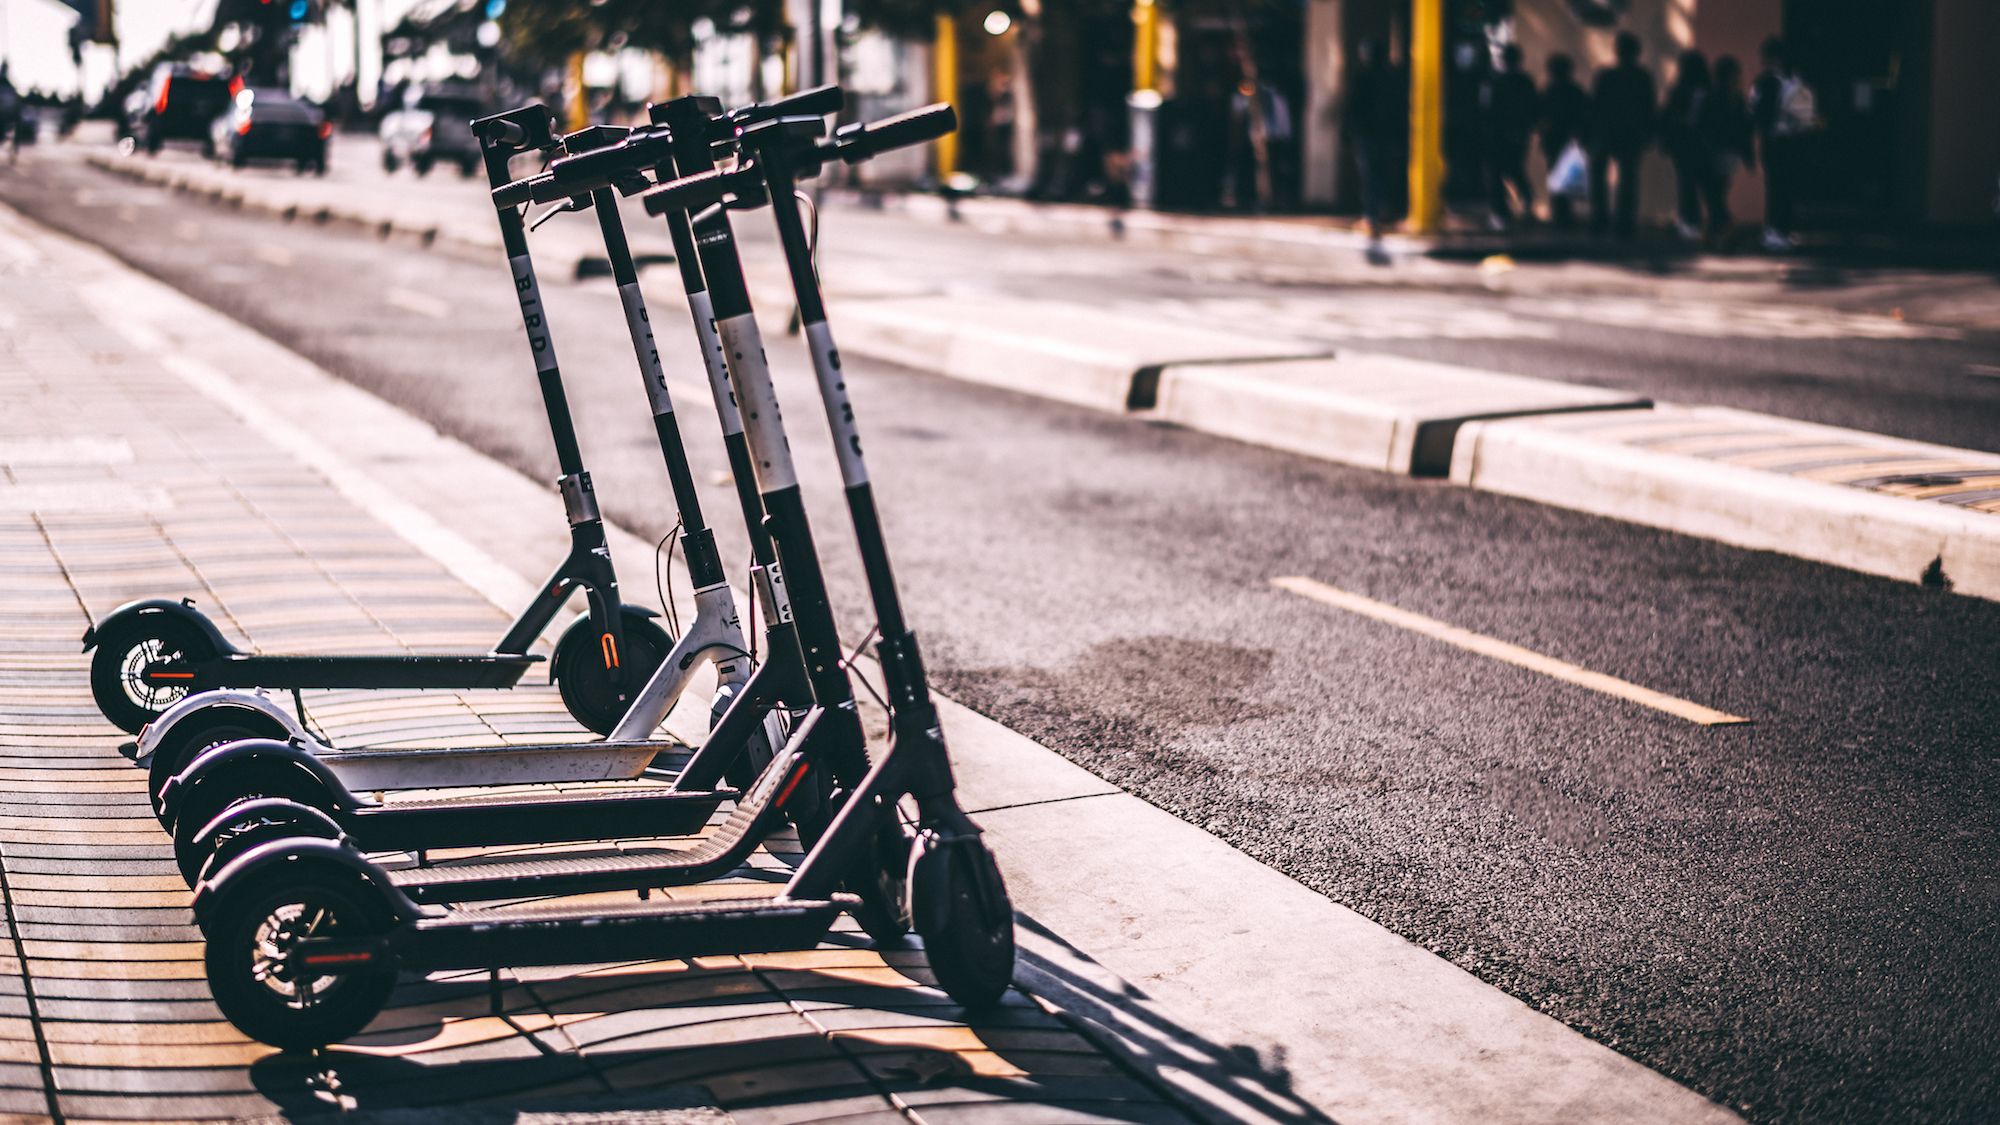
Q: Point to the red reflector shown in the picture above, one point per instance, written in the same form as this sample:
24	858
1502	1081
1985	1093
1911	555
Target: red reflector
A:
244	128
337	958
161	105
325	130
793	784
170	675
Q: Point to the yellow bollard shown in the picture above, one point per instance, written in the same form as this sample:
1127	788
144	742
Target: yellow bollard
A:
944	88
1426	115
578	109
1145	45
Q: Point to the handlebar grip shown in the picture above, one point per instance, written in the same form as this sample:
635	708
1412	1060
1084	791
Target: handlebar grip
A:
516	193
816	102
858	143
601	167
689	193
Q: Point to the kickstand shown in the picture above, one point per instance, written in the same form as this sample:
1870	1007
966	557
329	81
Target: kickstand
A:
494	991
299	704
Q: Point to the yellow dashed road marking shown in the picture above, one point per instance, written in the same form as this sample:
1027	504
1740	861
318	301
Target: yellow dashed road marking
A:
1501	650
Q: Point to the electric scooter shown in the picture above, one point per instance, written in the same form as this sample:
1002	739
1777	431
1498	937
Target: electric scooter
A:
194	803
188	797
155	652
306	937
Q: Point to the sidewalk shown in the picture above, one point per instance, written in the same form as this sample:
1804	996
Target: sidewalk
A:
122	480
157	473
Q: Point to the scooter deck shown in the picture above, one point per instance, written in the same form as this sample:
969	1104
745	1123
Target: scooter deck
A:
535	818
560	933
278	671
721	852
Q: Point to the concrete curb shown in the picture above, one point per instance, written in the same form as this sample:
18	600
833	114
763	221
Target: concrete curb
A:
1501	433
1548	460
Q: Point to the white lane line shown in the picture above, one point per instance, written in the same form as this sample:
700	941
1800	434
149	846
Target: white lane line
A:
1501	650
418	303
276	255
1983	370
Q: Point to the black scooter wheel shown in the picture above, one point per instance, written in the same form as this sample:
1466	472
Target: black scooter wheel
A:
194	734
253	934
117	669
218	791
882	881
580	672
961	910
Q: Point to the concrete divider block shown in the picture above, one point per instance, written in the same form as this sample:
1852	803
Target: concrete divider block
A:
1382	412
1062	351
1600	465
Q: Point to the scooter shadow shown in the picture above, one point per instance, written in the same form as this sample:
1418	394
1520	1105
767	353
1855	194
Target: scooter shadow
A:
821	1027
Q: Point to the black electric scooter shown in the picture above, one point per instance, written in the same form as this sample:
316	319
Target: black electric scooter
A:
195	802
306	937
154	652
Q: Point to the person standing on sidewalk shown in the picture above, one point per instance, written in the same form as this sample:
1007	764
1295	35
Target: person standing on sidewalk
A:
1724	128
1565	112
1621	126
1511	125
1376	120
1681	137
1782	110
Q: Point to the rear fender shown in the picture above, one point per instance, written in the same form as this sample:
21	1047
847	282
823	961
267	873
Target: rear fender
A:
133	616
248	824
295	859
204	707
217	764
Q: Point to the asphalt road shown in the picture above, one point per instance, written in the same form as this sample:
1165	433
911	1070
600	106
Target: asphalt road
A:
1795	917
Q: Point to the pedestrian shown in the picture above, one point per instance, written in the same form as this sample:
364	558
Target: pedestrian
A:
1376	122
1468	101
1682	139
1782	110
1510	126
1621	126
1724	126
1565	120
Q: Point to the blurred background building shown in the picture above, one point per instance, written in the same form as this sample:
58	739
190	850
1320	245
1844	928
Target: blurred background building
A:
1200	105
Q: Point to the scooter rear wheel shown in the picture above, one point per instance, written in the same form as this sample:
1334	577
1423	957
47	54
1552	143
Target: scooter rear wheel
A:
252	936
580	672
218	791
191	736
961	910
117	668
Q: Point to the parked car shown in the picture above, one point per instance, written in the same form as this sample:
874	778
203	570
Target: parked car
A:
270	124
432	126
180	104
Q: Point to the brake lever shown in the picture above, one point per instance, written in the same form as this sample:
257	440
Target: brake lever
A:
574	203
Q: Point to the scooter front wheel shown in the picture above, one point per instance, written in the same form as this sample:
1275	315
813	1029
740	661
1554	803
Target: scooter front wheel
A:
582	669
255	971
882	881
960	907
143	669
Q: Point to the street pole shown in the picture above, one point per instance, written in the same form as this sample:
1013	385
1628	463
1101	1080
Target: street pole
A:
1143	103
1426	115
944	88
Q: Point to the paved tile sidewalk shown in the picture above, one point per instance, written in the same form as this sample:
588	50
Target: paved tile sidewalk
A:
120	482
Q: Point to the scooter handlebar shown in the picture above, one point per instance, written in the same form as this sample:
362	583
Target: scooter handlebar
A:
816	102
602	167
856	143
691	193
518	192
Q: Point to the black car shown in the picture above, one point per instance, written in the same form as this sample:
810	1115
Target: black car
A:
181	103
271	124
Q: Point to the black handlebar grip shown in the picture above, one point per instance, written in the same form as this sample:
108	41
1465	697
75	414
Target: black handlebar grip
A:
912	128
516	193
689	193
601	167
816	102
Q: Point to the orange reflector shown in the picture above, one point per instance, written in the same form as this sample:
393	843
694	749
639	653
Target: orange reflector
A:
610	652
